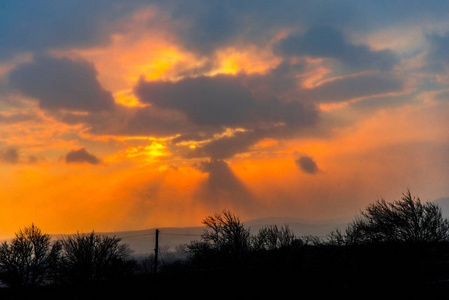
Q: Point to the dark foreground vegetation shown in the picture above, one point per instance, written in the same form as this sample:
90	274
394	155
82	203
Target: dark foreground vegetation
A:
398	248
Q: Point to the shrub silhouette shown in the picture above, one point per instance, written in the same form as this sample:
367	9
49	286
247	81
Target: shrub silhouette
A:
28	259
271	237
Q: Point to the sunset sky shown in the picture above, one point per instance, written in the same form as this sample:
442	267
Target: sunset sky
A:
127	115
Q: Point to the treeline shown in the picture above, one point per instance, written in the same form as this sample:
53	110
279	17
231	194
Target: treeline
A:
400	246
31	260
397	247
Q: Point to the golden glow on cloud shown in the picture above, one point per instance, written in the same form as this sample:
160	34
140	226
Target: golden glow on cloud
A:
164	59
249	60
125	61
150	152
229	132
138	50
127	98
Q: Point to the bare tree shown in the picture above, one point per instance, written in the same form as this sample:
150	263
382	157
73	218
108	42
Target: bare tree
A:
91	257
225	237
226	232
28	259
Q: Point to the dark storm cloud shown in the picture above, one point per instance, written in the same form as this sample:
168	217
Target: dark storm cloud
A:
352	87
221	100
307	164
131	121
81	156
143	121
198	108
61	83
294	122
280	82
212	103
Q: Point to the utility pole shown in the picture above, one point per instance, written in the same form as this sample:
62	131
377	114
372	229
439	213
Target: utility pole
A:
156	250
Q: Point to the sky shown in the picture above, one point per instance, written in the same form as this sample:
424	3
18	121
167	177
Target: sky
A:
127	115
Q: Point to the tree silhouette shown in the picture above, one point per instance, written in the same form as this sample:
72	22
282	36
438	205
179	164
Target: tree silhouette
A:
225	238
91	257
393	245
406	220
27	260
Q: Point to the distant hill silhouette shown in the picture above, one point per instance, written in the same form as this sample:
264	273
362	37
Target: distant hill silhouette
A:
299	226
142	242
